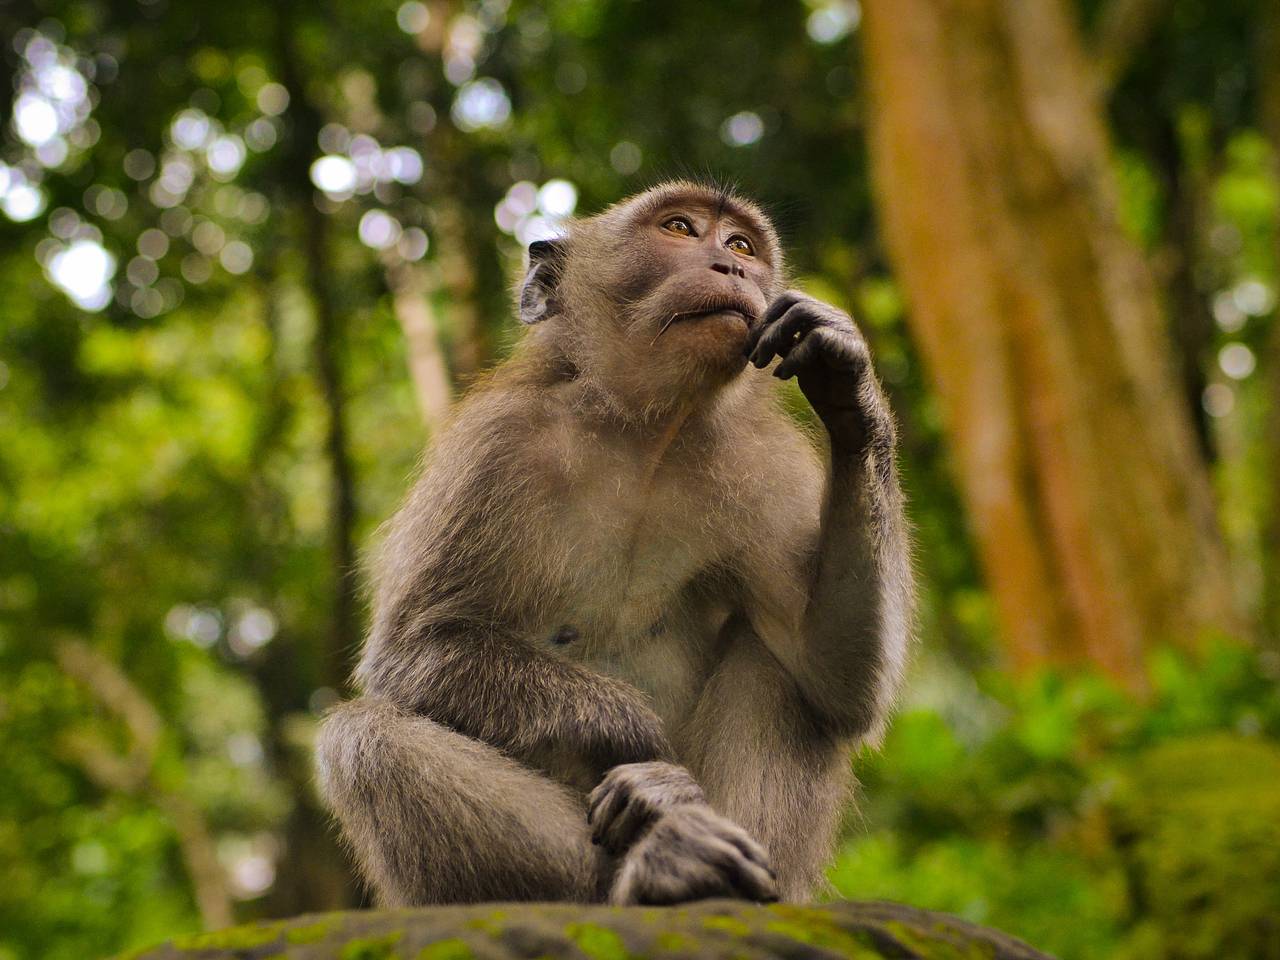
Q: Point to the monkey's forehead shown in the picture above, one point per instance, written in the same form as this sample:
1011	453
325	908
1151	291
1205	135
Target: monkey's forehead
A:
719	199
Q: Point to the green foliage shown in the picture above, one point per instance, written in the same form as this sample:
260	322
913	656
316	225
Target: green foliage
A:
1155	827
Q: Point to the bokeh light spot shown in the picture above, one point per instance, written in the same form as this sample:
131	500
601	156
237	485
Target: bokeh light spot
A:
83	271
379	230
742	129
413	17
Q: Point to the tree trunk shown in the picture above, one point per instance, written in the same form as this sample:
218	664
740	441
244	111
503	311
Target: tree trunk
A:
712	928
327	340
1088	499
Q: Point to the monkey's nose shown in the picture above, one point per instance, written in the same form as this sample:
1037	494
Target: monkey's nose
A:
728	269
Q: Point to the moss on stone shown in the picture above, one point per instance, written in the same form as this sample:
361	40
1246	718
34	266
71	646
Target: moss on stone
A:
675	942
311	932
943	947
245	937
372	948
597	942
451	949
826	936
493	923
560	931
734	926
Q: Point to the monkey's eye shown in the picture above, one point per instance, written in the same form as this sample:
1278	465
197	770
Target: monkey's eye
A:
740	244
679	226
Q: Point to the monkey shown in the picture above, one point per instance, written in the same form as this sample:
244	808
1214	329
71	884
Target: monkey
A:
632	618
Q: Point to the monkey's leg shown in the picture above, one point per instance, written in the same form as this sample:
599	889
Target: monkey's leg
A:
765	761
436	817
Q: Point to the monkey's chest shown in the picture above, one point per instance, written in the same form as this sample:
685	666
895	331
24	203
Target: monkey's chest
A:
630	553
632	600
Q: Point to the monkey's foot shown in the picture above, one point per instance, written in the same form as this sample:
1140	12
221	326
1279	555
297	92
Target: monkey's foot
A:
692	853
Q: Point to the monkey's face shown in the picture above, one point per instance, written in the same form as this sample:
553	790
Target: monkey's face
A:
654	297
692	269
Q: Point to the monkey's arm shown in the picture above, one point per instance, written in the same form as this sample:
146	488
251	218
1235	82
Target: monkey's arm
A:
500	690
856	620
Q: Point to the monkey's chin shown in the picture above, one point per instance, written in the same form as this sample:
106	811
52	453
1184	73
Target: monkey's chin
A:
728	316
716	338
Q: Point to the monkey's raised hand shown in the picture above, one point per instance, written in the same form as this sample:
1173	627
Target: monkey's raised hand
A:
692	853
631	797
824	349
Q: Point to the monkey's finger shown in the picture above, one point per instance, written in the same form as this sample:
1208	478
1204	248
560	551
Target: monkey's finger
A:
804	354
615	830
747	879
597	797
781	305
625	828
751	850
604	815
830	346
753	883
776	309
781	336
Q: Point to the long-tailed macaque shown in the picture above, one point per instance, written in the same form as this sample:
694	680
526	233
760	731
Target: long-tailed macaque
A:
630	621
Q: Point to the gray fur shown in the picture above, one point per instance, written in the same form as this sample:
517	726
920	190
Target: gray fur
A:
629	601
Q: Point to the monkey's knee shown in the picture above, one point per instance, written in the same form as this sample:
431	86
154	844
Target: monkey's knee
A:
433	816
350	743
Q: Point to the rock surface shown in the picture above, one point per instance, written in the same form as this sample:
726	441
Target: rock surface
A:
499	931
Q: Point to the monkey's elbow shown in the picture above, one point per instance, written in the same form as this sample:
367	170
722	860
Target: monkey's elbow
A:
855	706
856	722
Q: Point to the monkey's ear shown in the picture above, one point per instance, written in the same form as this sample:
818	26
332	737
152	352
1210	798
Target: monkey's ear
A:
538	299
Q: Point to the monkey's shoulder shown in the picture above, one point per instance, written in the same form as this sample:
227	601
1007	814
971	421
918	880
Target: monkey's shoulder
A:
498	432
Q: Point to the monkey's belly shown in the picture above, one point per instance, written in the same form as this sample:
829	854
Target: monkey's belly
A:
668	658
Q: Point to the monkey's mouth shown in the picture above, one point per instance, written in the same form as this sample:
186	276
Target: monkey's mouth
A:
731	311
711	306
736	308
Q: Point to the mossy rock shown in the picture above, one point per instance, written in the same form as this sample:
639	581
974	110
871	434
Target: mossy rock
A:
712	928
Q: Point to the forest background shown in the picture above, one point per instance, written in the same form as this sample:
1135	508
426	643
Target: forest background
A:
251	253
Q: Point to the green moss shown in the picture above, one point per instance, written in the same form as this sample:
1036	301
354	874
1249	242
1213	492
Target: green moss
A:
311	932
826	936
675	942
815	928
937	947
597	942
372	948
451	949
233	938
494	924
731	925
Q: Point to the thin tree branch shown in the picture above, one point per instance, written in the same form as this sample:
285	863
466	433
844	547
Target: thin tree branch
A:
409	295
135	773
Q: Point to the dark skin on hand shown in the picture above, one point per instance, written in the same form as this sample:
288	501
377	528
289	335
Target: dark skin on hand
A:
629	622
